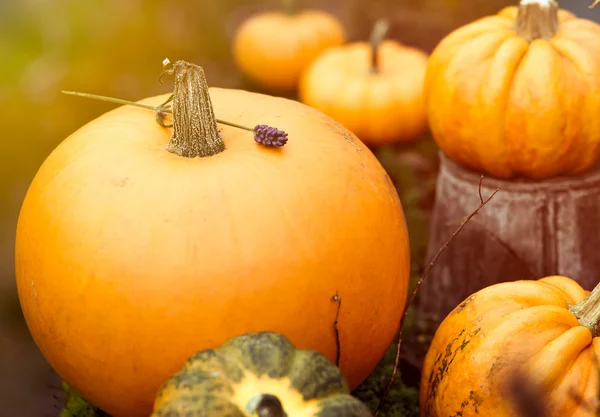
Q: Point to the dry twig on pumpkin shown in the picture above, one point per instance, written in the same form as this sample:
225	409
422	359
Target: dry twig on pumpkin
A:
418	284
337	299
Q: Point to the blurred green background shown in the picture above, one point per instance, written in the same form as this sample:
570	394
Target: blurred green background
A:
115	48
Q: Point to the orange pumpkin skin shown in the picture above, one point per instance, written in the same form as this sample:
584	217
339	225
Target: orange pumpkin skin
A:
521	325
130	258
382	108
501	105
273	48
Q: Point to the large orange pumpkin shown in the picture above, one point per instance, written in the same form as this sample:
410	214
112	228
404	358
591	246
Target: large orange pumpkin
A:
375	89
131	258
518	93
544	332
273	48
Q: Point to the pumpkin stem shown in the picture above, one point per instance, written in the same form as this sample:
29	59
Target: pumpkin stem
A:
263	134
195	131
537	19
378	33
588	312
290	7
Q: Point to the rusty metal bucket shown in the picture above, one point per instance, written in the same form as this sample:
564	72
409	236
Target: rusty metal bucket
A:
530	229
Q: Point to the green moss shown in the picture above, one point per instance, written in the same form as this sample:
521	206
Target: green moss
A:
402	401
76	406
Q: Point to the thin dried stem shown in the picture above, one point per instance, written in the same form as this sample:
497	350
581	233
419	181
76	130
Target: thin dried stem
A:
479	189
416	289
337	299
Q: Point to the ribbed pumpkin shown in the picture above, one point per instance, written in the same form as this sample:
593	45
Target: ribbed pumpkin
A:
258	374
273	48
374	88
545	332
133	252
517	94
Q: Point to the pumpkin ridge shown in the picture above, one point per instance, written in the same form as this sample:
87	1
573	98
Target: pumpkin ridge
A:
463	56
502	99
180	405
533	312
585	157
568	347
266	353
325	378
568	297
585	27
590	369
521	294
460	36
343	406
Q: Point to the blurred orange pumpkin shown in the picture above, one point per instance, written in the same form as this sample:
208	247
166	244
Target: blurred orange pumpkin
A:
543	334
131	258
517	94
375	88
273	48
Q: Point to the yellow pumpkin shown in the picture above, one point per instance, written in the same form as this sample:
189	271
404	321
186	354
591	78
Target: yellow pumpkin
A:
518	93
375	89
137	246
258	374
273	48
545	332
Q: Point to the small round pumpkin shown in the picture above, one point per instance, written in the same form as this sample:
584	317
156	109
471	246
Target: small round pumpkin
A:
273	48
258	374
544	332
374	88
138	246
518	93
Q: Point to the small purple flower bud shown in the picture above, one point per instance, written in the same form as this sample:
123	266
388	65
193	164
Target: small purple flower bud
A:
270	136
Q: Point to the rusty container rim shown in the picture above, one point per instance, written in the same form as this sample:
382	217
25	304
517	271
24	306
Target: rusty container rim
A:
459	172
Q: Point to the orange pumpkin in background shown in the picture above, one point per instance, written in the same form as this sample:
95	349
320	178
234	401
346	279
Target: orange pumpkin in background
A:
374	88
131	257
273	48
543	335
518	93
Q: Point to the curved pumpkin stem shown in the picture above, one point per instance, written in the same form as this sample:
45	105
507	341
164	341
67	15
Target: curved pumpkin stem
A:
588	312
537	19
377	35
